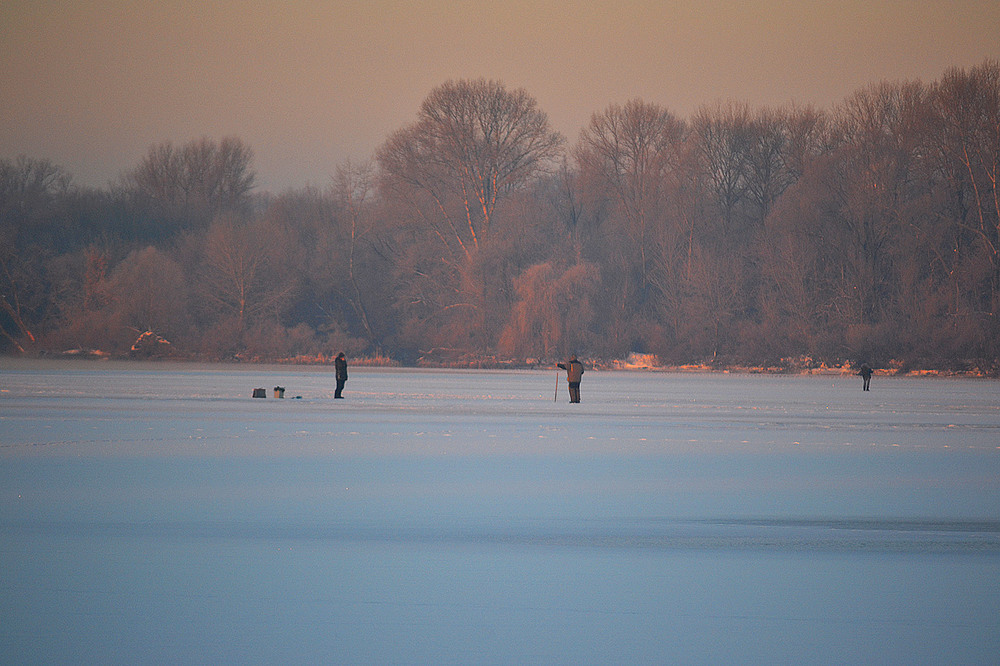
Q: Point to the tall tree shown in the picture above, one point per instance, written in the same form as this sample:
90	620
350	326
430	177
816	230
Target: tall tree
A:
871	184
554	311
193	183
967	103
352	186
28	189
473	142
238	284
148	292
723	138
634	149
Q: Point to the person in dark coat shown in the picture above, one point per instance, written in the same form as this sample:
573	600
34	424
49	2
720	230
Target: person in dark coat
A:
574	373
340	364
866	376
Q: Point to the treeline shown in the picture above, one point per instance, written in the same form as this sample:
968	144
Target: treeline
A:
870	231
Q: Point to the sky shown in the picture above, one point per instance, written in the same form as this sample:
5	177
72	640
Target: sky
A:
92	84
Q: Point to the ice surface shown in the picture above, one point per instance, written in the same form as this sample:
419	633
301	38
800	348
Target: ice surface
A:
157	513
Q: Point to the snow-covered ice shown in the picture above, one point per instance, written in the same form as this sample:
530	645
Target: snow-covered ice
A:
156	513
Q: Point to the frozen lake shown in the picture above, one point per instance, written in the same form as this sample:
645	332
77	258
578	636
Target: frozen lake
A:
158	514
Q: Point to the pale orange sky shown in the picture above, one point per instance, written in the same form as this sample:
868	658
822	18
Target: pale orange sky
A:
92	84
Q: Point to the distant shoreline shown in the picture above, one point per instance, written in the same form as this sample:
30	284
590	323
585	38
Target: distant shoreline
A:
617	365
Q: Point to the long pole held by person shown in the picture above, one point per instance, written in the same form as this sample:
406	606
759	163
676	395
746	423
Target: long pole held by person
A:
555	397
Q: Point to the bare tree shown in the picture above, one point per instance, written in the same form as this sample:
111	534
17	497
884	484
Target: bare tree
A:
353	185
202	173
768	171
148	292
634	149
28	187
869	187
554	310
236	282
967	103
29	191
447	175
473	142
723	138
809	137
13	326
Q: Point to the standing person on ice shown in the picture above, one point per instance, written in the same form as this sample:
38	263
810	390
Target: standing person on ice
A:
340	364
866	376
574	372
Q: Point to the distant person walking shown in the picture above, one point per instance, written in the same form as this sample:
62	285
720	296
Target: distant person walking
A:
340	364
574	373
866	376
